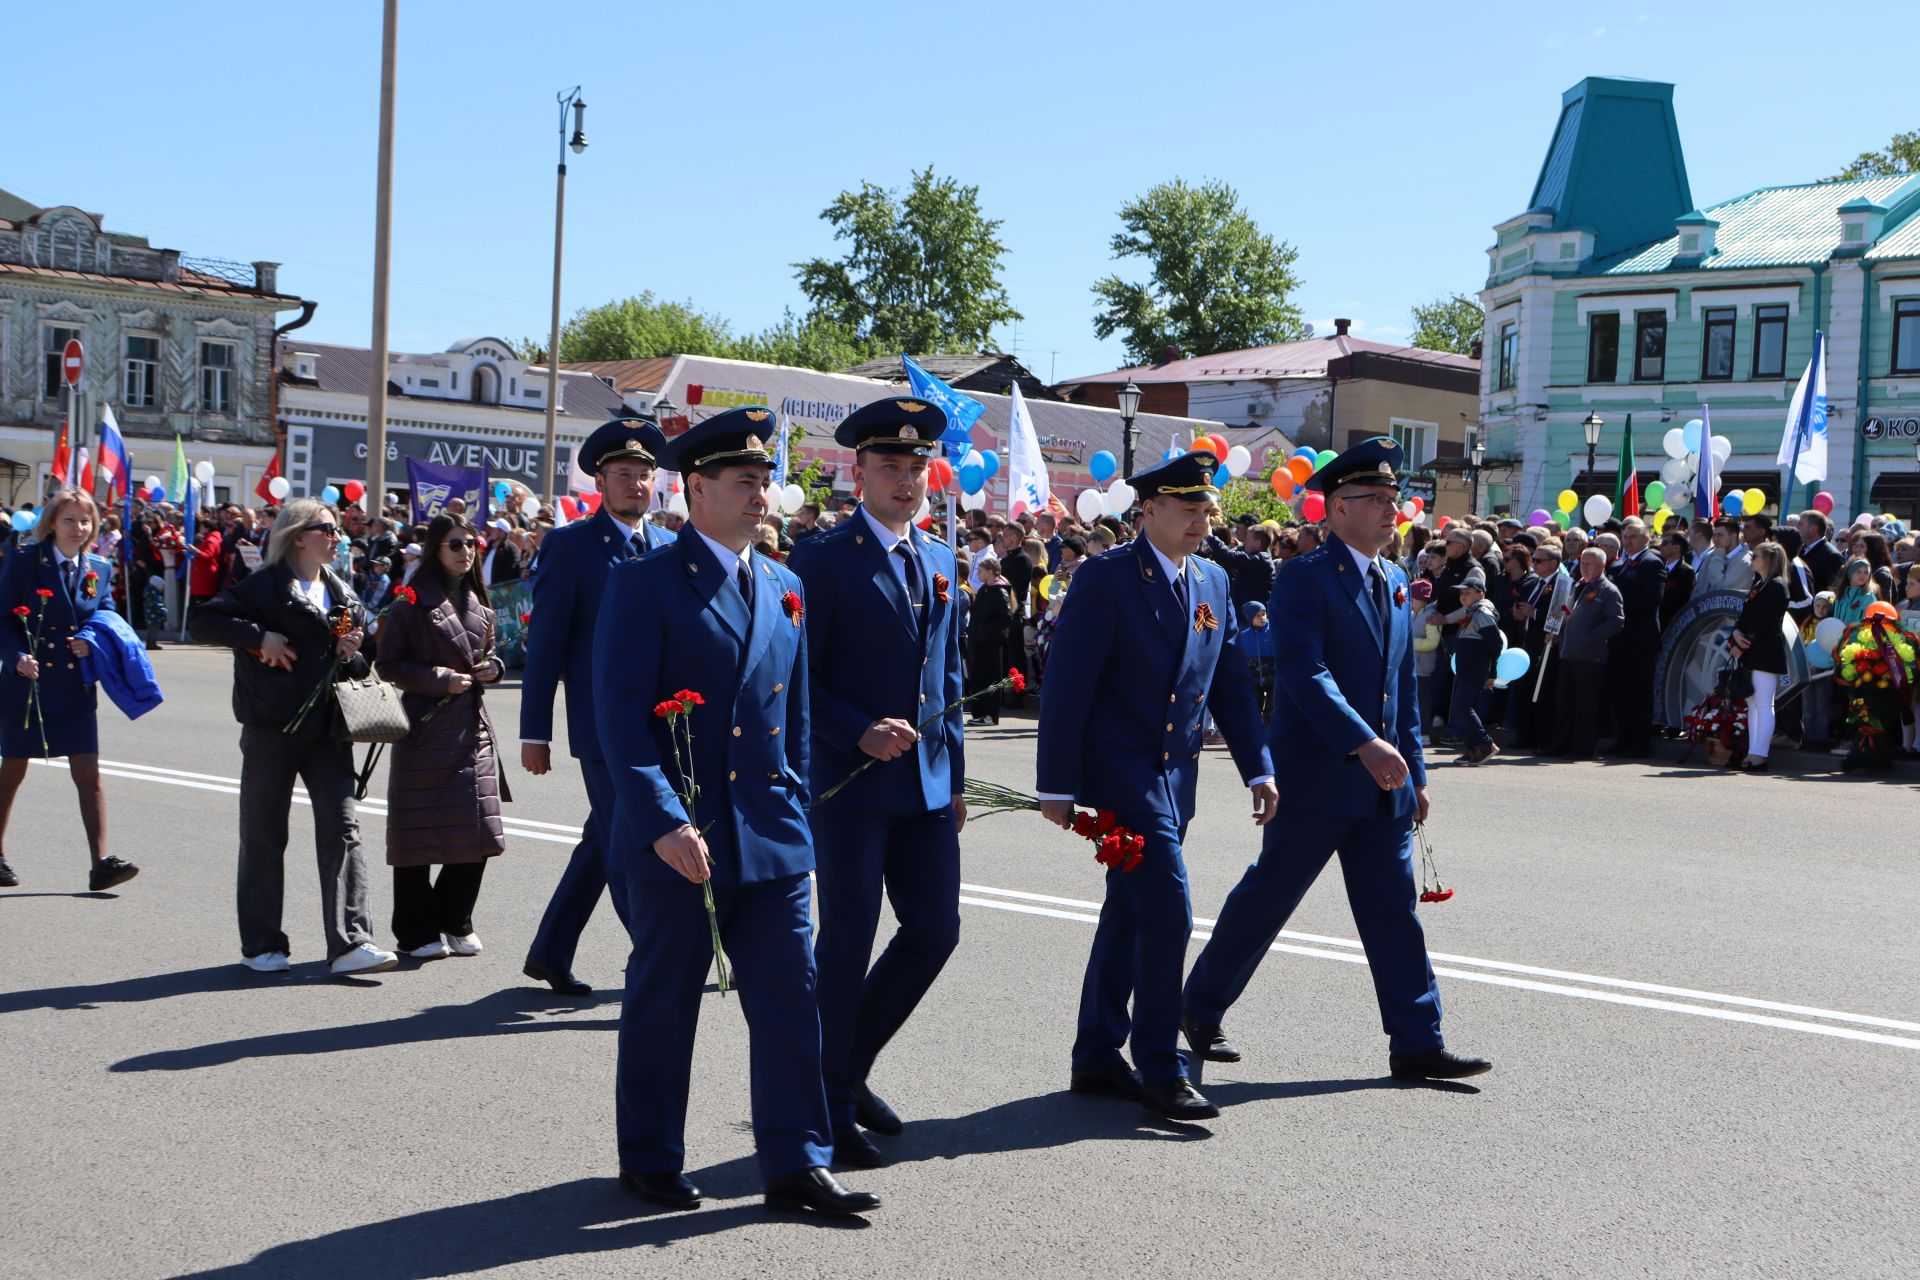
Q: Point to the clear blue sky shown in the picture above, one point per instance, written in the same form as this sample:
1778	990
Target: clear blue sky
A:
1382	141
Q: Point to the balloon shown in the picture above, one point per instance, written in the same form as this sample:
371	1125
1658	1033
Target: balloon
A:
1444	522
1567	500
153	482
1407	511
22	521
1675	443
158	492
143	493
1306	451
923	517
1722	450
1322	458
1282	482
1690	434
973	502
973	475
1823	503
1656	494
1102	465
1660	519
1120	496
939	474
1171	454
1827	633
329	495
1539	519
991	461
1753	501
677	504
1221	474
1313	508
279	487
1239	460
204	471
1419	504
354	490
1733	504
793	497
1300	468
1564	519
1676	473
1881	609
1091	504
1511	665
1598	508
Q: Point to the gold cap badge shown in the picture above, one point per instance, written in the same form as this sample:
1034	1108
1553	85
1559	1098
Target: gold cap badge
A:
757	415
909	406
908	433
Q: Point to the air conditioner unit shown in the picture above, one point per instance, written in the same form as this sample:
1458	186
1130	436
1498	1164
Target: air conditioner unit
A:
1259	408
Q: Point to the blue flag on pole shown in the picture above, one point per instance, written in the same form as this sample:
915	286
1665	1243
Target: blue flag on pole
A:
780	455
962	411
187	504
434	486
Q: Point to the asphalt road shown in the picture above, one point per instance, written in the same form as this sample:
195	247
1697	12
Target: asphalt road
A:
1702	993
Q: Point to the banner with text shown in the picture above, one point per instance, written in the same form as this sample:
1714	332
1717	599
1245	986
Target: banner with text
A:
434	486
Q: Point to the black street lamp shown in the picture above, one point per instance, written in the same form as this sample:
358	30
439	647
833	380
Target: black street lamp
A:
1592	427
1128	399
1477	454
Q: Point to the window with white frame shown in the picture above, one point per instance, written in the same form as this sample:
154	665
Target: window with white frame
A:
1418	441
218	360
53	342
140	372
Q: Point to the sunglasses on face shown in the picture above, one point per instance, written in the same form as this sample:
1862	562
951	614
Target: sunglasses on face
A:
456	544
325	530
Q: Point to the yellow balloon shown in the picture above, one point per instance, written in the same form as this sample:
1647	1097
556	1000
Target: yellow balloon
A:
1568	500
1404	526
1751	501
1660	519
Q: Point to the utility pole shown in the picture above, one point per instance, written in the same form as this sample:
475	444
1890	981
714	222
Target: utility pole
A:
375	496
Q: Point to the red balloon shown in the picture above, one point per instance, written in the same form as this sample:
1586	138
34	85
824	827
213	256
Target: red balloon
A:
1313	508
1419	504
353	490
939	474
1219	449
1444	522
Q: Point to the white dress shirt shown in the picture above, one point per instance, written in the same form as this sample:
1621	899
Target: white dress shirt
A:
727	555
888	541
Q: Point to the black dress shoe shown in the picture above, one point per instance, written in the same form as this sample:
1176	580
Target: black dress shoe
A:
560	980
1117	1081
7	879
109	872
1209	1041
671	1190
854	1149
815	1189
1177	1100
872	1112
1437	1064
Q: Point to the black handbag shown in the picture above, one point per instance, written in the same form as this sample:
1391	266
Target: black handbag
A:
370	711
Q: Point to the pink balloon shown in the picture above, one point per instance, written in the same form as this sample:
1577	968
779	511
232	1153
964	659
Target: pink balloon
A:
1823	503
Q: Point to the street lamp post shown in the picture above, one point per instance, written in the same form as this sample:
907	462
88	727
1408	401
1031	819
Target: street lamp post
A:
569	99
1477	455
1592	427
1128	399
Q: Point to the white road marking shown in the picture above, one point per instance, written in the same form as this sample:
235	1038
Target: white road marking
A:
1618	991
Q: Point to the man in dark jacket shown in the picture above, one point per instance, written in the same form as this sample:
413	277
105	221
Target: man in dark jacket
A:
1676	553
1595	614
1642	578
1250	569
1823	559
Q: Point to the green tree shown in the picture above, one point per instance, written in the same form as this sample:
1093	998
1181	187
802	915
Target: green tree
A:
807	343
1448	324
1254	496
921	274
1216	281
1901	156
636	328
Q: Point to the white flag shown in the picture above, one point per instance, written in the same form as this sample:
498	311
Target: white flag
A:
1804	444
1027	488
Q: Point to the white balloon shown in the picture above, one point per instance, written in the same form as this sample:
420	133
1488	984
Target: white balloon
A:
1120	497
1827	634
1598	508
792	498
1674	471
1676	443
1091	505
974	501
1722	450
677	504
153	482
1239	460
279	486
204	470
918	516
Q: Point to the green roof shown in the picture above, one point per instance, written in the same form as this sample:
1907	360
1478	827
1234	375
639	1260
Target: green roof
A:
1775	227
1614	167
1902	242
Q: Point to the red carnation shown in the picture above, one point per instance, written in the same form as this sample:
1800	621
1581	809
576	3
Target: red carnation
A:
407	594
688	698
1104	821
796	607
525	618
21	611
1018	681
670	708
44	594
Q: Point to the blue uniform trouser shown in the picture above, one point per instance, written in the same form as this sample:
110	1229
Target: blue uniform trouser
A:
1139	950
768	931
915	858
578	892
1376	859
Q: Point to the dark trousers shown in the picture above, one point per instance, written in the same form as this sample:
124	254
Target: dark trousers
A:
578	892
1139	948
1376	860
1533	719
270	761
1583	694
1630	690
986	664
768	934
1464	718
426	906
915	859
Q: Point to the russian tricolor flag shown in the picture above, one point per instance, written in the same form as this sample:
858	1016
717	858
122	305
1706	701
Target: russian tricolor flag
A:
113	454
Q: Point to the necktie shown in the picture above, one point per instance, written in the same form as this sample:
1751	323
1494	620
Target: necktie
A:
911	569
744	578
1180	590
637	545
70	570
1377	582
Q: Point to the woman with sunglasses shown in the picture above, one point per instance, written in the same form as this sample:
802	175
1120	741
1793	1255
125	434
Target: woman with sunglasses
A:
286	623
445	788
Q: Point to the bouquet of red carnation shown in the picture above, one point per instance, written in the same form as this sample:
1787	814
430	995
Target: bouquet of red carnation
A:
21	611
1012	681
675	711
341	621
1115	847
1431	890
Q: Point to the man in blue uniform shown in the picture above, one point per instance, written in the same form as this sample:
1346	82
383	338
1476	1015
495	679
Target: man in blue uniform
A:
1345	736
722	630
1142	653
883	640
567	584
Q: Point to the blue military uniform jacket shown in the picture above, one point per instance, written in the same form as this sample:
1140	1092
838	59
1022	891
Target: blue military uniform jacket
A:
673	620
871	657
568	581
1129	680
27	570
1343	675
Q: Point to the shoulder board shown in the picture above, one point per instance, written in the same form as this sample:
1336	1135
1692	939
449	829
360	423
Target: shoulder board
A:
1314	556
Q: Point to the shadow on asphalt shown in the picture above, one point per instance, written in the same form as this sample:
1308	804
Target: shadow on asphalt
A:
585	1216
511	1012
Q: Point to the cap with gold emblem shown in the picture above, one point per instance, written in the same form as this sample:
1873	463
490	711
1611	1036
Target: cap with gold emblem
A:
1374	461
635	439
1188	477
730	439
897	424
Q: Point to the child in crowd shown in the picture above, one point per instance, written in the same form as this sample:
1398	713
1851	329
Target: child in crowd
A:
1475	649
1256	641
1859	591
379	583
1817	702
1426	646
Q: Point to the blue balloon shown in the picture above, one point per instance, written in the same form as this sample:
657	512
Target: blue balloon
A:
22	521
501	490
1511	665
158	493
1309	454
1173	453
1733	504
1691	434
991	461
330	495
973	475
1103	465
1221	476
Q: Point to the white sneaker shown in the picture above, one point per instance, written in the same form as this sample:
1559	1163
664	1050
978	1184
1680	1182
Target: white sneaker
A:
365	958
464	945
435	950
266	962
1841	750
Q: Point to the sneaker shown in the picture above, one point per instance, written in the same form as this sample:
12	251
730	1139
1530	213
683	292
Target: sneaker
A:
435	950
7	879
266	962
365	958
464	944
1845	748
109	872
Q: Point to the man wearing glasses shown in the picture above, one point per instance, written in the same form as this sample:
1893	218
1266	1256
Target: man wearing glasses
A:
1346	749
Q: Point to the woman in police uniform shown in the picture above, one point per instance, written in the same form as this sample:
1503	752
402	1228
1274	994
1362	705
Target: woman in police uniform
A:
49	590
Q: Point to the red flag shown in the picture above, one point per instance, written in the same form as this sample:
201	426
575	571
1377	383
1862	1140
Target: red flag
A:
1630	504
86	472
273	469
62	459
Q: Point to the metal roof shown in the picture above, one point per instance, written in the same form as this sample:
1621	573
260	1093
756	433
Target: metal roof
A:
1305	359
1772	227
192	283
1902	242
627	375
